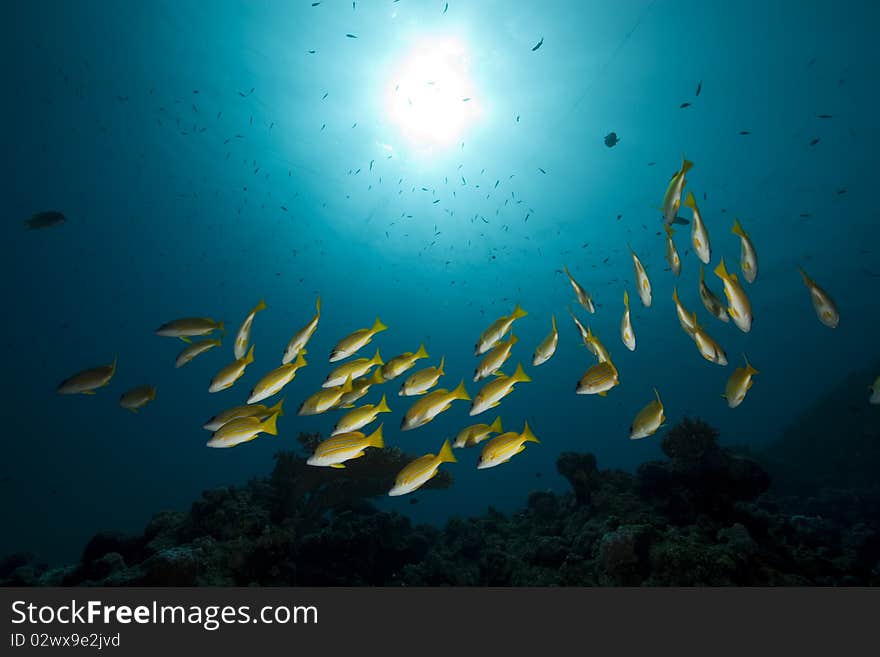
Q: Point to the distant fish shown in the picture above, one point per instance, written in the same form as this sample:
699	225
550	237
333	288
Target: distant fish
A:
192	350
823	304
137	397
684	317
738	305
683	105
748	257
699	88
739	383
643	284
672	256
445	7
315	4
672	197
188	327
708	347
538	45
545	350
648	419
611	139
711	301
744	132
87	381
814	141
351	36
244	331
699	232
582	295
823	116
44	220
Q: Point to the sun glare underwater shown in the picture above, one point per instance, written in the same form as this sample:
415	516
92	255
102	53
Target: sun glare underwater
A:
341	264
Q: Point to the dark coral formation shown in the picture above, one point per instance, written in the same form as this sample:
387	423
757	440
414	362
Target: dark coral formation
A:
700	517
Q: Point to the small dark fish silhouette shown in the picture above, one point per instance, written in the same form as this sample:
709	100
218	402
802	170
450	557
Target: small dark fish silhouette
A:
315	4
311	52
324	96
351	36
414	500
814	141
538	45
804	215
841	191
650	164
699	87
541	170
611	139
744	132
823	116
44	220
683	105
444	11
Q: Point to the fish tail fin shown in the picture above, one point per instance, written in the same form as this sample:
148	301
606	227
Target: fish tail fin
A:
690	201
657	395
249	356
751	370
113	366
277	409
260	306
520	375
446	455
270	425
675	294
721	270
686	164
421	353
626	299
377	377
346	387
461	392
738	229
377	359
807	280
442	364
495	427
221	326
378	326
553	322
376	439
527	434
518	312
513	339
669	231
152	392
300	359
318	306
382	407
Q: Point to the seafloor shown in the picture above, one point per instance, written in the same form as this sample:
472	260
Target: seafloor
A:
803	511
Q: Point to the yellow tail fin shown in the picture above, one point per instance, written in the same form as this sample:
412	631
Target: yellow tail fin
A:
495	427
442	363
153	392
528	436
657	394
690	201
513	339
520	374
300	359
382	406
260	306
446	455
675	295
113	366
346	387
553	322
686	165
421	353
518	312
378	326
460	392
277	409
738	229
721	270
376	378
807	280
221	327
269	425
376	439
249	356
669	231
751	370
318	306
377	359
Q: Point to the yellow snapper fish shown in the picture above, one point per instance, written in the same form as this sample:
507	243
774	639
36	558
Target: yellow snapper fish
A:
359	388
244	331
672	197
325	399
699	232
642	282
360	417
748	258
585	334
684	317
354	341
431	405
494	391
477	433
582	296
649	419
710	300
626	327
188	327
342	447
497	330
402	363
504	447
739	383
545	350
301	338
232	372
192	350
708	347
246	410
598	379
496	357
420	471
672	256
418	383
738	305
275	380
87	381
595	346
353	369
137	397
875	392
824	305
242	430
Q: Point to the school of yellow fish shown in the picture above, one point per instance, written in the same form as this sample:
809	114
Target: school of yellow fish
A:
351	380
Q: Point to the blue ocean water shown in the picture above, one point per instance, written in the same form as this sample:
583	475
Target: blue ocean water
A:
205	159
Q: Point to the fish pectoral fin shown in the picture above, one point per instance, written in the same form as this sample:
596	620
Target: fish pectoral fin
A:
358	455
185	339
88	392
604	393
337	465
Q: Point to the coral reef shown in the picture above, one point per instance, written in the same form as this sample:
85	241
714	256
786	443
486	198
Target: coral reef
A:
703	516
